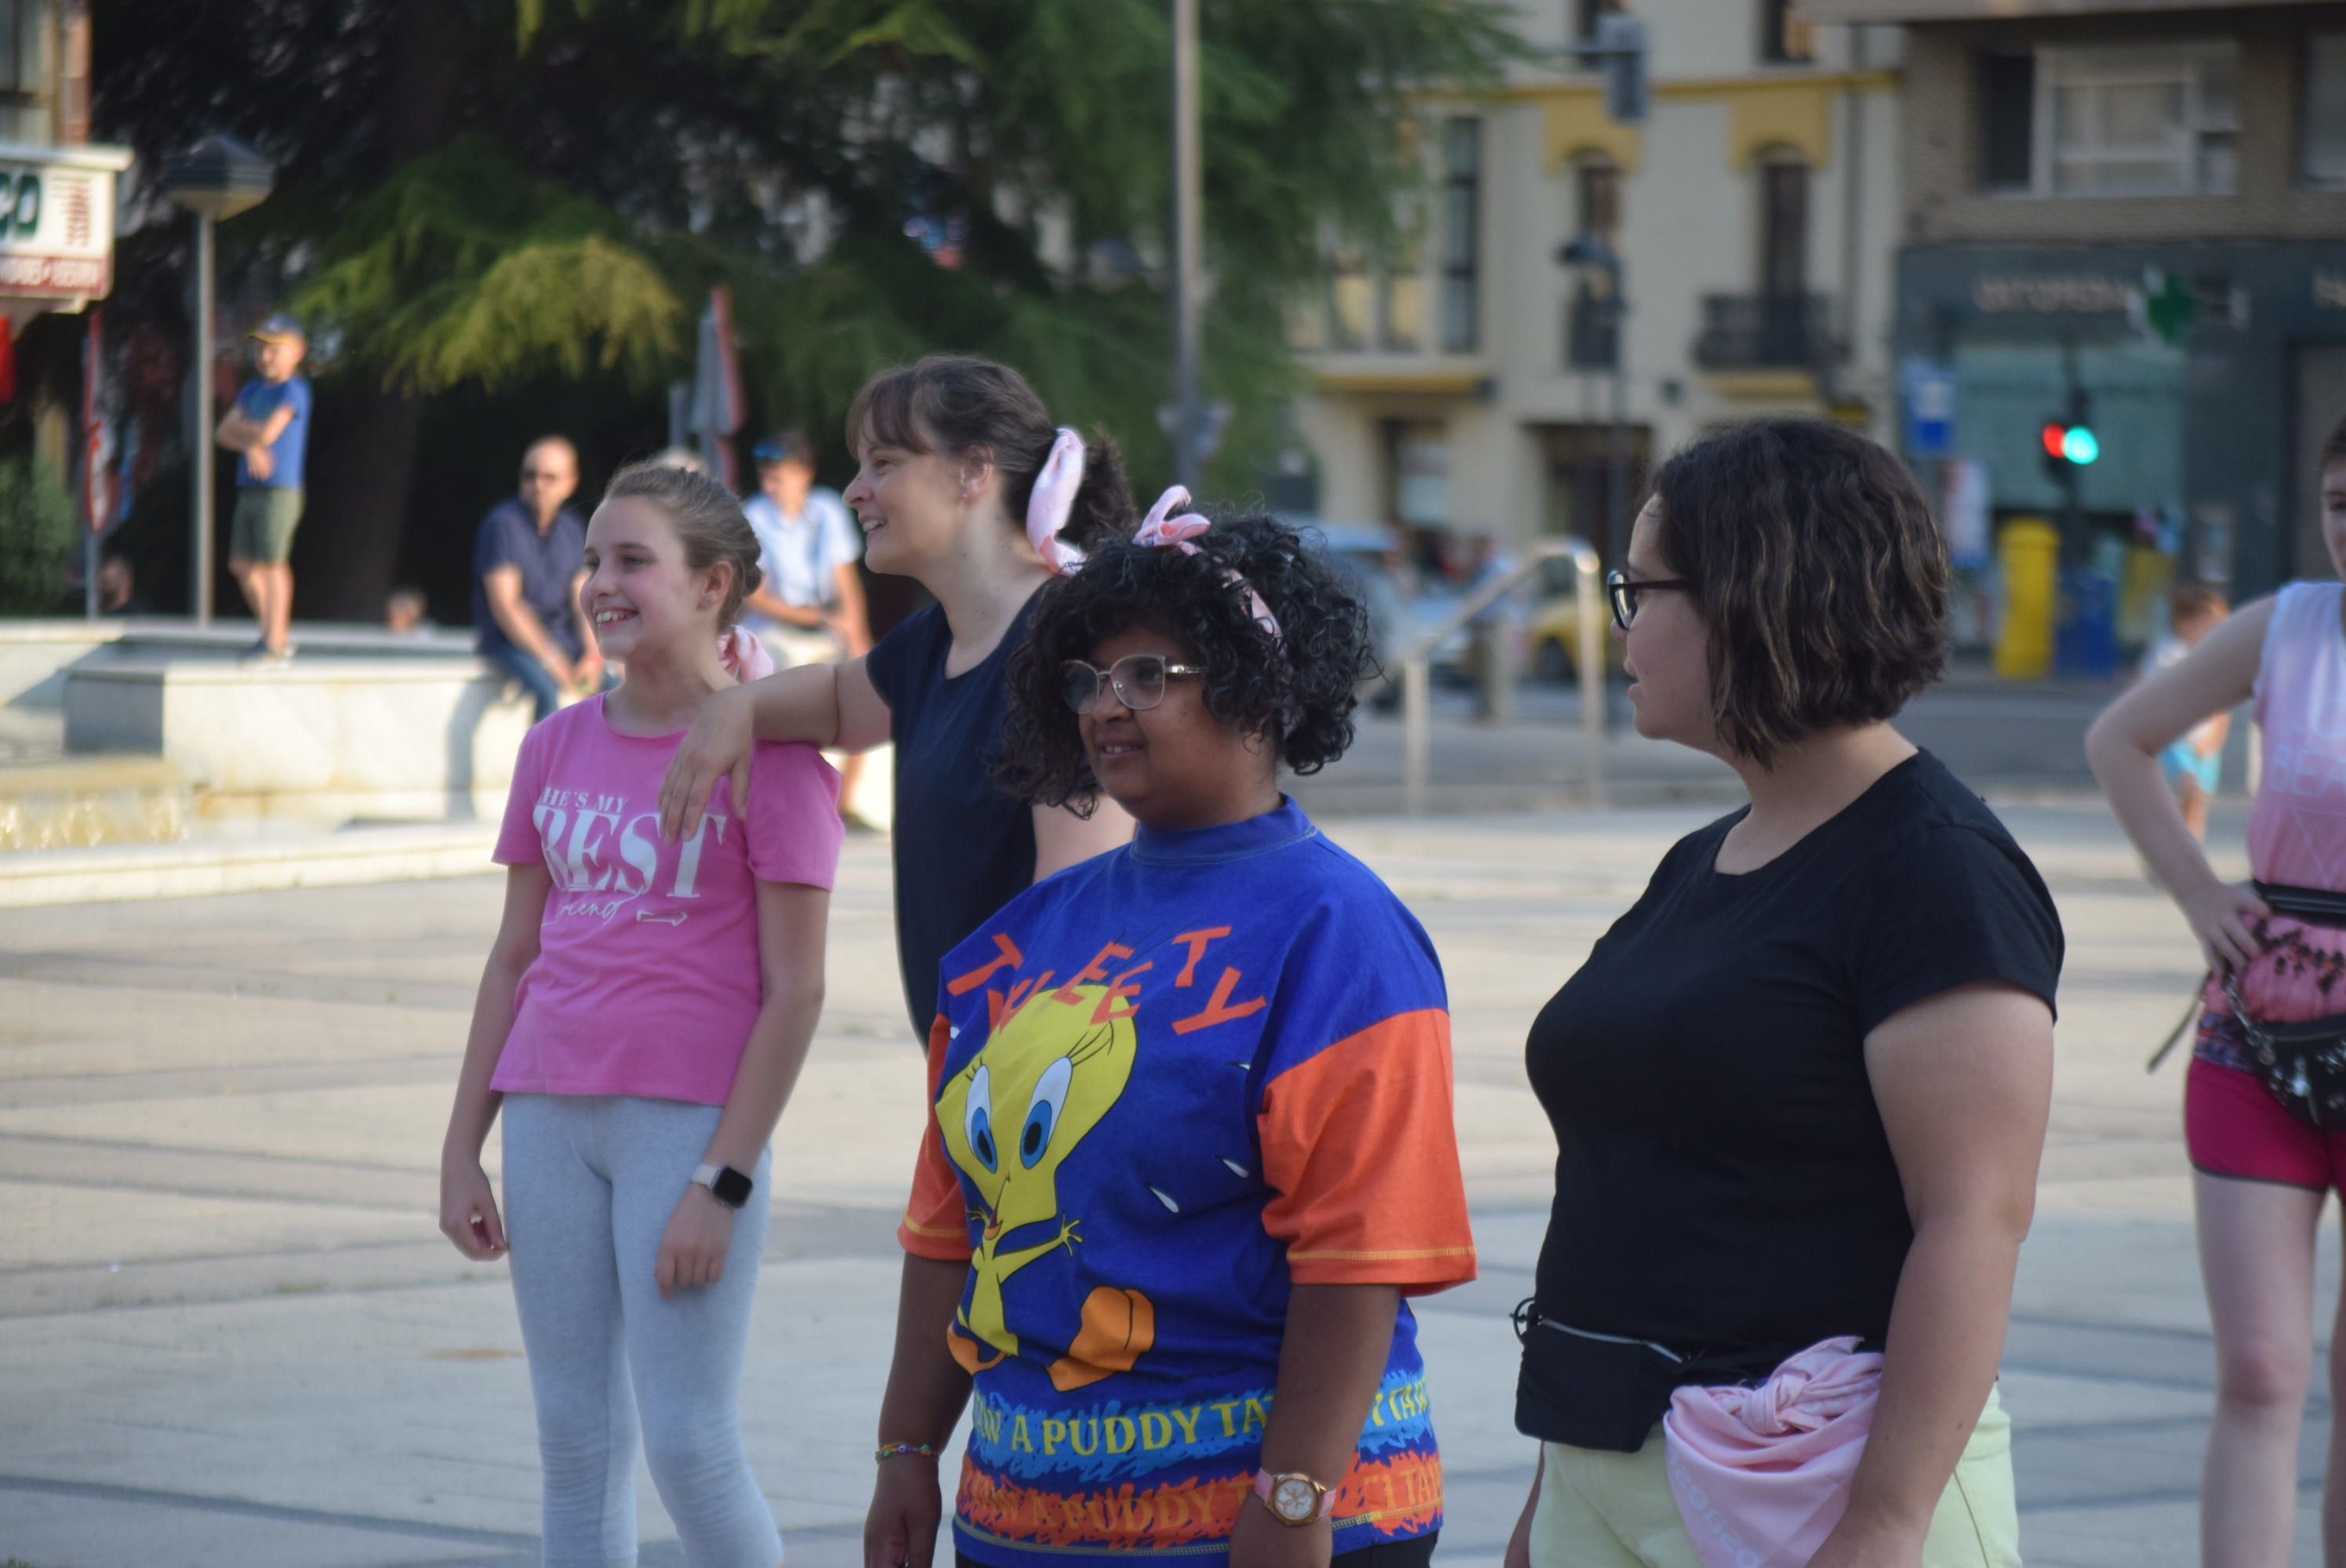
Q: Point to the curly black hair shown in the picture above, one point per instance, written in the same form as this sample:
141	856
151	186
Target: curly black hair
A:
1299	690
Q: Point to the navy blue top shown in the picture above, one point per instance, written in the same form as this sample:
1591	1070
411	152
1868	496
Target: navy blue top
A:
549	561
963	848
256	403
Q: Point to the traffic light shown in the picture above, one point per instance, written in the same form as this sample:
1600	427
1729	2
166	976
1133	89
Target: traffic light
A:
2069	440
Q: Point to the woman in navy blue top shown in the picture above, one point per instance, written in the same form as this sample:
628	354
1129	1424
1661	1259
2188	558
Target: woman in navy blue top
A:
969	488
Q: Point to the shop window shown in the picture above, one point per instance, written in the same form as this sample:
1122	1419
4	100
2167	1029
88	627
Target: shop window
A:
1462	235
1784	38
2324	132
1418	462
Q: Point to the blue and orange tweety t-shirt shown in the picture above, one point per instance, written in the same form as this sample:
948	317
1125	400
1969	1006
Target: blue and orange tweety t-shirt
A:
1172	1083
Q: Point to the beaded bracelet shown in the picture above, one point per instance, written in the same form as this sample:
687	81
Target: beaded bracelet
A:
899	1450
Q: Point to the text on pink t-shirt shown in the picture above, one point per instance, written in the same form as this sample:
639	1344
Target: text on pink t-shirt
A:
647	980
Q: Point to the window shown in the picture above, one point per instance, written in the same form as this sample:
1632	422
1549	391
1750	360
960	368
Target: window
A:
1784	227
1462	235
1597	206
2006	113
1351	299
1784	38
1401	283
20	47
1583	14
2160	120
2324	156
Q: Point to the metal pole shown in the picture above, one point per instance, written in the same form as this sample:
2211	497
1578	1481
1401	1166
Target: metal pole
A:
200	557
1617	464
1188	206
1588	602
1415	694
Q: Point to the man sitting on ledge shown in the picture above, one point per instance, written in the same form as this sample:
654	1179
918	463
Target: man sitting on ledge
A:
528	565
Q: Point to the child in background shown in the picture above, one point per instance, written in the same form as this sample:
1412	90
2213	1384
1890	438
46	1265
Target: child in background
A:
2194	764
643	1013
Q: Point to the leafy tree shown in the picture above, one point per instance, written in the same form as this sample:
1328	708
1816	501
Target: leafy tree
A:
478	198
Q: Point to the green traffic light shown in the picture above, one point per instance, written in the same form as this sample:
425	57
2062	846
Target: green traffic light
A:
2079	445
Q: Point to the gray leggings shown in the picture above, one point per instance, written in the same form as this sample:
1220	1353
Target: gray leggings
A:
590	1184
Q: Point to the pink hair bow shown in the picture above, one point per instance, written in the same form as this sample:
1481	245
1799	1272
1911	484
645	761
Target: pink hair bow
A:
1052	499
1162	527
745	658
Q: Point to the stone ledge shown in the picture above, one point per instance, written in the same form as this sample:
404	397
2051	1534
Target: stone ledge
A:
358	855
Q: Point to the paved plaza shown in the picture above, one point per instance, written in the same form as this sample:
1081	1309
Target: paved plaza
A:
231	1333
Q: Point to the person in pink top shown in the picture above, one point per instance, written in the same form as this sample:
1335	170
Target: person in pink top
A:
643	1015
2265	1125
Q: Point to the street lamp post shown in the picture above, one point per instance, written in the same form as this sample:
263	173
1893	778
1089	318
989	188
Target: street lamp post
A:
1188	202
217	178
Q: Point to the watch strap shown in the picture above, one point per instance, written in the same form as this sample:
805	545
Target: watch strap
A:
727	1186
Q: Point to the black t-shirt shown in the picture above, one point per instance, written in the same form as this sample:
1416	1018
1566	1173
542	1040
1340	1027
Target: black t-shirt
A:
963	848
1723	1182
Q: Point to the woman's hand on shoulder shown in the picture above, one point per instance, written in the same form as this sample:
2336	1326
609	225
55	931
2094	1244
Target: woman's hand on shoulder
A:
2224	917
907	1507
468	1211
716	747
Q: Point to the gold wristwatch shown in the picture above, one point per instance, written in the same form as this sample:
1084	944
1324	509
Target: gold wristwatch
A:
1294	1497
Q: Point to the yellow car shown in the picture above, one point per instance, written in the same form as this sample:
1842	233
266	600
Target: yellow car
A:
1554	639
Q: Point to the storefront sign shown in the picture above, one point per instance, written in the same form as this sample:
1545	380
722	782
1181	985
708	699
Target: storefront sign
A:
57	221
2052	294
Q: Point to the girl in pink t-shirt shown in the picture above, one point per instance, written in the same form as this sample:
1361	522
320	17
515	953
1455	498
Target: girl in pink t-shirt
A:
644	1010
2263	1175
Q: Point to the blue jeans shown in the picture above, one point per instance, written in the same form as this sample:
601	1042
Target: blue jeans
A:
534	677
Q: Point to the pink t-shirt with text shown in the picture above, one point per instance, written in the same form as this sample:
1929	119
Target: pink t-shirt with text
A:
646	981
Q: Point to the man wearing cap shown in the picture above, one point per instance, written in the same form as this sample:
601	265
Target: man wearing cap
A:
809	608
528	565
269	428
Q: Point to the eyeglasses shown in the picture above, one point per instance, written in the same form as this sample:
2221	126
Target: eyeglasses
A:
1624	592
1138	678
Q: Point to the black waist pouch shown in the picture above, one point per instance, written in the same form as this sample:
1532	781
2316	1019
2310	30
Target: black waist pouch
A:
1590	1391
1608	1391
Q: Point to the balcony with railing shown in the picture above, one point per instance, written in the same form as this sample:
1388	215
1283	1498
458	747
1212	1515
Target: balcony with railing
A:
1764	333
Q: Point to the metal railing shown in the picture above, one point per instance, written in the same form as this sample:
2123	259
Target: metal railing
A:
1417	681
1764	331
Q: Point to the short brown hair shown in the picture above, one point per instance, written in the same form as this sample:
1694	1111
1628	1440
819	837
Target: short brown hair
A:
1819	570
707	520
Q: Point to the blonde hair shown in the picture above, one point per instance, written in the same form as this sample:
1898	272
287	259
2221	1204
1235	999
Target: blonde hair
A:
708	520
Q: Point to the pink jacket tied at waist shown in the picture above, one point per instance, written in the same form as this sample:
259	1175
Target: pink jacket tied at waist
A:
1762	1475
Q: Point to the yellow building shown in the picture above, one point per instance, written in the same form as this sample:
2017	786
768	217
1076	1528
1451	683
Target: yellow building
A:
1463	382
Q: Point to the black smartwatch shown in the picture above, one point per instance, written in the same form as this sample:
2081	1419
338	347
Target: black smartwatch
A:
731	1187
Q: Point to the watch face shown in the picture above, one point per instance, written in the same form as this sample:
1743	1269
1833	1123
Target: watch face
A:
731	1188
1293	1498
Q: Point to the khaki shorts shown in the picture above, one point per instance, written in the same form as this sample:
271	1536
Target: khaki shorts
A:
1599	1510
261	530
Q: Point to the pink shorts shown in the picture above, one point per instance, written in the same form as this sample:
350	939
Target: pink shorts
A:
2232	1127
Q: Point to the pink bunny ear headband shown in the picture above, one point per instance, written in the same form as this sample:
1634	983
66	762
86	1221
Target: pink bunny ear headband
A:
1053	497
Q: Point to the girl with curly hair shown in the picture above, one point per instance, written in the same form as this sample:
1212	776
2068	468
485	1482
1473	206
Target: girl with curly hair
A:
1192	1144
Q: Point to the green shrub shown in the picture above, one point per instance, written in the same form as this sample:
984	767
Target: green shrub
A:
38	534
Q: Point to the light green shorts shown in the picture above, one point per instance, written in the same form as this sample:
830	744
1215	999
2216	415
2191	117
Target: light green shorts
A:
1599	1510
261	528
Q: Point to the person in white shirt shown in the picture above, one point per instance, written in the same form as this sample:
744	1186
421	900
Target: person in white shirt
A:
810	609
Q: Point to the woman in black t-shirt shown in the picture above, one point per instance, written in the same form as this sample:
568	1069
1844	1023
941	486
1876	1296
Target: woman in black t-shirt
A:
967	487
1800	1090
